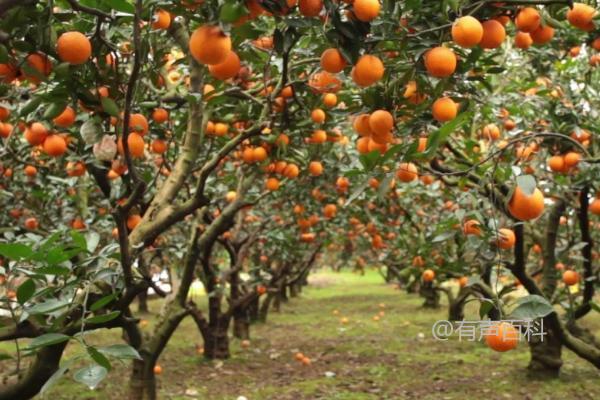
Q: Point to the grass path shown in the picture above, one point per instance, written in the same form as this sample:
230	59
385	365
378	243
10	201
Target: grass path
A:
393	358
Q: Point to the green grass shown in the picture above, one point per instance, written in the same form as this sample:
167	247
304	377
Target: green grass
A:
393	358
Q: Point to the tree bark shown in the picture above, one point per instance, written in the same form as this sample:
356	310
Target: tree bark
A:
432	296
143	302
545	356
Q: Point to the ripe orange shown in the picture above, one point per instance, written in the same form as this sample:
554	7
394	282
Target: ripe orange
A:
557	163
366	10
226	69
581	15
506	238
36	133
4	113
542	35
491	132
66	118
318	116
380	146
407	172
138	123
570	277
315	168
493	34
8	73
310	8
381	122
471	227
422	146
160	115
259	154
428	275
5	129
272	184
528	19
159	146
55	145
221	129
502	337
524	207
75	168
40	63
368	70
332	61
595	206
362	144
572	159
467	31
157	369
161	19
523	40
78	223
73	47
209	45
30	171
330	210
31	223
135	143
444	109
463	281
361	125
291	171
329	100
440	62
133	220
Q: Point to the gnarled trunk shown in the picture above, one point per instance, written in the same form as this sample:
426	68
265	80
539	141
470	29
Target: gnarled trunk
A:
216	340
545	355
142	384
432	296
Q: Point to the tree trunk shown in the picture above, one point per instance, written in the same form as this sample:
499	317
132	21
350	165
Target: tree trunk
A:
294	290
253	308
216	341
456	309
142	384
241	328
432	297
264	308
545	356
143	302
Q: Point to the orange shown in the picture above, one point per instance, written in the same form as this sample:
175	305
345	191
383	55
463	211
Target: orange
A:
493	34
310	8
221	129
528	19
159	146
73	47
471	227
366	10
135	144
133	220
160	115
570	277
361	125
329	100
524	207
55	145
506	238
502	337
523	40
362	144
259	154
381	122
330	210
291	171
595	206
75	168
138	123
272	184
382	137
542	35
440	62
332	61
31	223
226	69
444	109
30	171
428	275
572	159
78	223
318	116
209	45
36	133
467	31
491	132
368	70
422	146
8	73
380	146
161	19
40	63
581	15
596	44
315	168
324	82
66	118
4	113
556	163
5	129
463	281
407	172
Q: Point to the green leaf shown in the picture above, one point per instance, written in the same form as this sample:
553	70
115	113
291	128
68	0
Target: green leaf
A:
232	11
98	319
110	107
4	356
15	251
532	307
31	106
91	375
53	270
54	110
486	307
3	54
527	184
47	339
99	357
47	307
25	291
120	5
78	239
121	351
98	304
